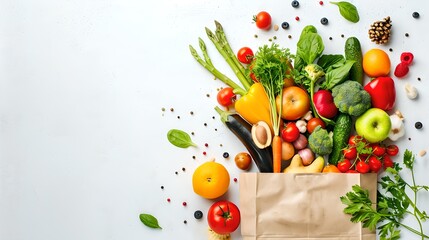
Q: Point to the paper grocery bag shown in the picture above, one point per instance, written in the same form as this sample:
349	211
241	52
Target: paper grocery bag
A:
301	206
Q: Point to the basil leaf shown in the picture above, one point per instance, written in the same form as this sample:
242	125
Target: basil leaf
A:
331	61
149	220
338	75
180	138
310	47
348	11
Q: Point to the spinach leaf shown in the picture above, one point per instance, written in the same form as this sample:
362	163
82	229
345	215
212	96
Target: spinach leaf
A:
310	47
180	138
149	220
337	75
298	62
348	11
331	61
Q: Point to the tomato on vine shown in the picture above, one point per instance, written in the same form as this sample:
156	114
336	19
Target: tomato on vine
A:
392	150
226	96
262	20
378	150
374	164
362	167
344	165
245	55
350	153
387	161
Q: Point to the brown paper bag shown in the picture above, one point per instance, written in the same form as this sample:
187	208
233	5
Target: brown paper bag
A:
300	206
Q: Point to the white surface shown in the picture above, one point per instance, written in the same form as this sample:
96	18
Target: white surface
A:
83	148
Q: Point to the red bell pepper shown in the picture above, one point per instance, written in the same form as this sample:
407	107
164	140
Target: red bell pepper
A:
324	103
382	92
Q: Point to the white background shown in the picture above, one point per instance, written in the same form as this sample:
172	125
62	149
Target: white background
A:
83	147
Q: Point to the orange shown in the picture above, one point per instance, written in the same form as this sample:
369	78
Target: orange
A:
376	63
210	180
330	168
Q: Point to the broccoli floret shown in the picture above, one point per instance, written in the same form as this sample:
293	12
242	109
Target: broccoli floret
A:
351	98
314	71
320	142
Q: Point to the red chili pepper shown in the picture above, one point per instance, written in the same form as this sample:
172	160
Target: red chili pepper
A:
401	70
324	103
407	58
382	92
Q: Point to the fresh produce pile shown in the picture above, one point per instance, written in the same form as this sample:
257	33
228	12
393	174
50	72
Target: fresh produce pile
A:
311	112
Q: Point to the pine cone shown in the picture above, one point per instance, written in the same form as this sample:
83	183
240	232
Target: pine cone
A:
379	31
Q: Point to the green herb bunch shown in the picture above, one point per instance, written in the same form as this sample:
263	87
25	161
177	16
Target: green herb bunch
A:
393	204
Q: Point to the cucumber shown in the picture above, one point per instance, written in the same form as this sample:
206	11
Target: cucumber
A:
353	52
342	130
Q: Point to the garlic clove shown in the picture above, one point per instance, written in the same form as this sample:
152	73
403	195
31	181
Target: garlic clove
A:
397	130
411	91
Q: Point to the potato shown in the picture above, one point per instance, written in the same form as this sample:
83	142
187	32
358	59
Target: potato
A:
296	165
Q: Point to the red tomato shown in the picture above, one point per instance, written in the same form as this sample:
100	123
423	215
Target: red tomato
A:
223	217
378	150
313	123
245	55
290	133
374	164
387	161
362	167
262	20
226	96
353	139
352	171
344	165
350	153
392	150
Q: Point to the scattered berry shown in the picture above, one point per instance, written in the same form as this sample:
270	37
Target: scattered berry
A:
416	15
235	179
204	153
321	2
324	21
206	144
168	200
285	25
418	125
225	155
184	204
198	214
295	4
401	70
297	18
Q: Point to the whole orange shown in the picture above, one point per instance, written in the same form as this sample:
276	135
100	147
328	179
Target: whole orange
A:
210	180
376	63
331	169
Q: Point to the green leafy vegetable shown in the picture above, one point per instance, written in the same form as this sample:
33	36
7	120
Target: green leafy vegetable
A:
298	62
180	138
310	47
348	11
149	220
331	61
337	75
392	206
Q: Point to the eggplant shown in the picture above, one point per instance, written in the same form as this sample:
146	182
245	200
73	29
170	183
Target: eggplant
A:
263	158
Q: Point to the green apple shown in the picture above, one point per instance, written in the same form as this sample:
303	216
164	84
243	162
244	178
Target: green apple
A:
373	125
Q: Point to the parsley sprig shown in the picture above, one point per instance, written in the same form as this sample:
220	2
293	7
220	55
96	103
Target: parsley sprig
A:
393	204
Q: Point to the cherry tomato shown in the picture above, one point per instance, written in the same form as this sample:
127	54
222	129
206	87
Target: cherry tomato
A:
387	161
353	139
352	171
262	20
226	96
243	160
362	167
344	165
223	217
290	132
350	153
392	150
313	123
374	164
245	55
378	150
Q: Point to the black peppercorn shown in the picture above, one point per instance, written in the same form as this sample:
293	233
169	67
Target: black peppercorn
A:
225	155
418	125
285	25
416	15
295	4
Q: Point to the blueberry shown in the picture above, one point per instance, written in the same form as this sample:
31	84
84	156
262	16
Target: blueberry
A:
324	21
225	154
198	214
285	25
416	15
295	4
418	125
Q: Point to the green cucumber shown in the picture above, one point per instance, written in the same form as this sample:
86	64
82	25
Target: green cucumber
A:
353	52
342	130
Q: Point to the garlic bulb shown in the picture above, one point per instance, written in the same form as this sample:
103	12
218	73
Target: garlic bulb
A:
397	130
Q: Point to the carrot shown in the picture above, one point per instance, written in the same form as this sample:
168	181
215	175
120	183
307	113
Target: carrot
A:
277	153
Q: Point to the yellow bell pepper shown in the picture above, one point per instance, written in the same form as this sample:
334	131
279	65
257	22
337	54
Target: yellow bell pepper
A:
254	106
